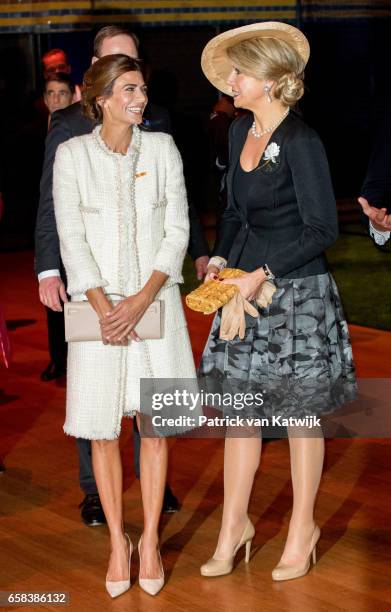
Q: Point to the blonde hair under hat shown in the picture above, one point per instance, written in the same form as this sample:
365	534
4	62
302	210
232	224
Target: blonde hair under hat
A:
216	63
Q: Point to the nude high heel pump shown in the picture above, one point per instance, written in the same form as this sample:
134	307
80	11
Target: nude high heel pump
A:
152	586
220	567
115	588
289	572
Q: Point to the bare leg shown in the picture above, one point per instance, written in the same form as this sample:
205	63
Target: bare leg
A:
153	474
107	466
307	455
241	461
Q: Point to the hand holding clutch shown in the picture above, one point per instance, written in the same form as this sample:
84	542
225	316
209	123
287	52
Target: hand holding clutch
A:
212	295
119	323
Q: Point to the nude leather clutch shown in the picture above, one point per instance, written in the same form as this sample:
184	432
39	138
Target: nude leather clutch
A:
82	323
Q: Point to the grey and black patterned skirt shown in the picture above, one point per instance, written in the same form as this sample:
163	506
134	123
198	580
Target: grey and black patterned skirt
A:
297	353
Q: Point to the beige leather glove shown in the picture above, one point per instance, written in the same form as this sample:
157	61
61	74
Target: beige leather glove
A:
233	321
265	294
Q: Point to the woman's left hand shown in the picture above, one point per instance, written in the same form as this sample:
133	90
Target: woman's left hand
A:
248	285
119	323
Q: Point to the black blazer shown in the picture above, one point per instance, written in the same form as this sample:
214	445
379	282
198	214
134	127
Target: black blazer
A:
290	216
66	124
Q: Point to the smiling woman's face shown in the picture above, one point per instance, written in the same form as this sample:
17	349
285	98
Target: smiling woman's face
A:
247	91
128	100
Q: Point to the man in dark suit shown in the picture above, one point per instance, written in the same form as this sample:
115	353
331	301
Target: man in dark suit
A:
66	124
375	199
58	94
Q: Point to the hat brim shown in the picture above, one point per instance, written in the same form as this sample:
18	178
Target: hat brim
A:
216	64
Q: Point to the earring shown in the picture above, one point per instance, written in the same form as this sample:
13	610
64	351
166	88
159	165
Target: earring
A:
267	89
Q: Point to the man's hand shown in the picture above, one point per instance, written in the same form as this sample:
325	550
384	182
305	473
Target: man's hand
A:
377	216
201	263
51	292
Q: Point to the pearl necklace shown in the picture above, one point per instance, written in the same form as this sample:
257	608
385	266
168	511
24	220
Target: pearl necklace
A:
269	129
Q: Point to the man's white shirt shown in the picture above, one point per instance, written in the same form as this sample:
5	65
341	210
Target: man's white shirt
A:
379	237
47	273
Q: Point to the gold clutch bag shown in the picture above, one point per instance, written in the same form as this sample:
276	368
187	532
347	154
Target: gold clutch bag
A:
212	295
82	322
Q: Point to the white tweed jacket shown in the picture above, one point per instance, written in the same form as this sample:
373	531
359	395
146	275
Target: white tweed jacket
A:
119	217
112	210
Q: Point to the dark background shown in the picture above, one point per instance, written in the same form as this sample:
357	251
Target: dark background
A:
348	90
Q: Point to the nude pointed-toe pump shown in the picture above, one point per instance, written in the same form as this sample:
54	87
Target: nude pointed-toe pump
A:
221	567
289	572
115	588
152	586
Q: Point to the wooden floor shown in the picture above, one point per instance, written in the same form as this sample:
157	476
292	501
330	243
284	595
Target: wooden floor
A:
45	547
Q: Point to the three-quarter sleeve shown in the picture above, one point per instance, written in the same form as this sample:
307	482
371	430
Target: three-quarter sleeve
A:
229	226
81	268
170	256
308	163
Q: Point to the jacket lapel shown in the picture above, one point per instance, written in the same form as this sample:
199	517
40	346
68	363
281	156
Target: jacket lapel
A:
239	136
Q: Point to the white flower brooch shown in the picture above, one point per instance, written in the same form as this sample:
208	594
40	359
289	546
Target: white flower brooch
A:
271	152
270	158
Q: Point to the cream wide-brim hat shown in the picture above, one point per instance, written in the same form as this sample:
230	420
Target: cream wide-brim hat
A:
216	64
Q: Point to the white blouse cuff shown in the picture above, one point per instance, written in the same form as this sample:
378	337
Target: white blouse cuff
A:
378	236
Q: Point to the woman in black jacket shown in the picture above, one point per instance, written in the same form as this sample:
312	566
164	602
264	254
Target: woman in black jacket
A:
281	216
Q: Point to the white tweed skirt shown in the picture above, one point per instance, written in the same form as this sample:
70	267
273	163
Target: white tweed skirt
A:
103	381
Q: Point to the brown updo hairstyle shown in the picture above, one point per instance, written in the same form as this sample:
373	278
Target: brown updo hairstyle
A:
99	80
275	60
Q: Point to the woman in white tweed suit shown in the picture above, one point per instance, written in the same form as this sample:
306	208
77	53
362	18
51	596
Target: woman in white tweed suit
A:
121	213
